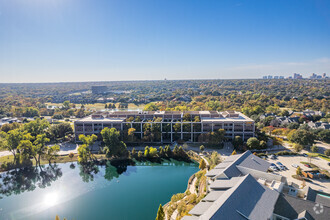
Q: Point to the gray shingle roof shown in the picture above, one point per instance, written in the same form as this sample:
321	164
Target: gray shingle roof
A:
213	195
200	208
225	183
318	197
247	198
190	217
214	172
290	207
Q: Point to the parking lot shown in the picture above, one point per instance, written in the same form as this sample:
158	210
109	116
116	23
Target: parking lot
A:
318	184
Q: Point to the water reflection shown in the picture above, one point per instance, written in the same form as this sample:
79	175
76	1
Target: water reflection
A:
27	179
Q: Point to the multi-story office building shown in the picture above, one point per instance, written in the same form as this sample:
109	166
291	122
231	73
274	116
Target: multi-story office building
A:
168	126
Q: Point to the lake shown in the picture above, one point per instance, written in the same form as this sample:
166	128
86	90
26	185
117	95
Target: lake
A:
92	192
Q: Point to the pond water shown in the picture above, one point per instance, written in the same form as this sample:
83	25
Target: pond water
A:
92	192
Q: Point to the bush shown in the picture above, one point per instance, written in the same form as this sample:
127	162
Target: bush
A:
314	149
298	147
281	153
327	152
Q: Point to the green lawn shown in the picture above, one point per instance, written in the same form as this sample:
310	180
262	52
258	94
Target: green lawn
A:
323	156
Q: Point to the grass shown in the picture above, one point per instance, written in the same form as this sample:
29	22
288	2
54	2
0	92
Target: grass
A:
323	156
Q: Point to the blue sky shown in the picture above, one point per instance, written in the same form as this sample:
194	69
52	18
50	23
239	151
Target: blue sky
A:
96	40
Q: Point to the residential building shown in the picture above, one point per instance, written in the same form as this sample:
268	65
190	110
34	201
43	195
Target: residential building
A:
170	126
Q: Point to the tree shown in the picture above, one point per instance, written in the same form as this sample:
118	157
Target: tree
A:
160	213
202	148
88	141
237	142
133	152
146	151
114	147
168	151
152	151
11	141
52	152
66	105
324	135
298	171
214	158
36	127
253	143
202	164
71	155
130	134
161	151
234	152
327	152
60	130
83	154
40	146
302	137
150	107
217	137
293	125
27	150
298	147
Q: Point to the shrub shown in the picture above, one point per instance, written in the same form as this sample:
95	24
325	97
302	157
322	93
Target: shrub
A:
327	152
298	147
281	153
314	149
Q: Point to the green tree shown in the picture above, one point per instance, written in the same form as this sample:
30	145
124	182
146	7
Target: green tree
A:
324	135
52	152
71	155
327	152
202	164
133	152
202	148
237	142
298	147
160	213
150	107
298	171
36	127
61	130
302	137
11	140
66	105
83	154
40	146
146	152
113	145
253	143
130	134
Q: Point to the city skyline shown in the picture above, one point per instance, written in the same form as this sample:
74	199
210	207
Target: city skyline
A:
69	41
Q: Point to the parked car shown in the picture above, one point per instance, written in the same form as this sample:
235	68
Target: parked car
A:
294	165
273	168
307	165
279	163
305	155
273	156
